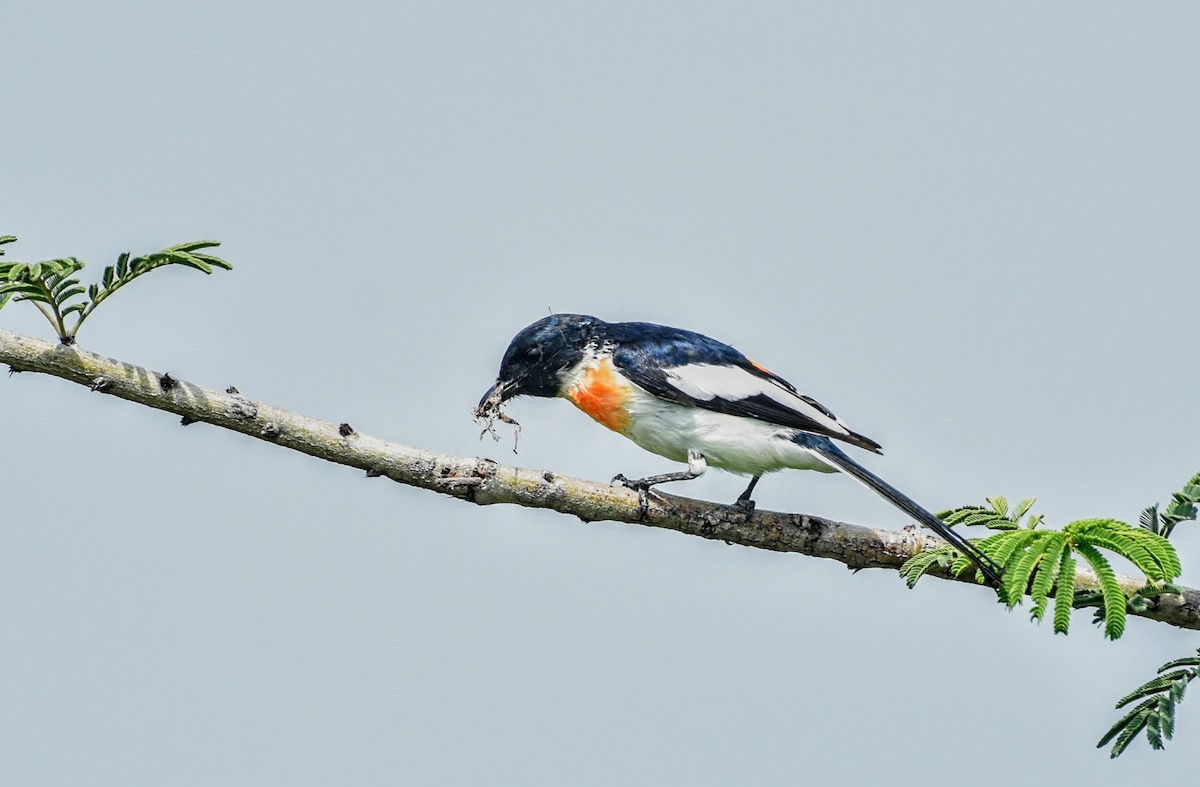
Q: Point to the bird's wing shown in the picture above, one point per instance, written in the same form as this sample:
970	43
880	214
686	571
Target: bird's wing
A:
737	386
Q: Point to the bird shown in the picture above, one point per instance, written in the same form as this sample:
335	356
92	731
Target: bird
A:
690	398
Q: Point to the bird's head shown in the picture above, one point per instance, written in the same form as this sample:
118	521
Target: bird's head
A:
537	358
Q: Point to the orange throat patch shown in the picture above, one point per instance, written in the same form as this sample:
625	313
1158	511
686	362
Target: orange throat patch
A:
601	393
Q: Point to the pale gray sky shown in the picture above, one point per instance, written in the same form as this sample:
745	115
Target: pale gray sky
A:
970	229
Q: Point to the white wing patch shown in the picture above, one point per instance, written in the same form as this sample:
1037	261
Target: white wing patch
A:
707	382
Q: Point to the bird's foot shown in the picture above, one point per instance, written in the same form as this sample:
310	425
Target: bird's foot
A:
745	505
639	485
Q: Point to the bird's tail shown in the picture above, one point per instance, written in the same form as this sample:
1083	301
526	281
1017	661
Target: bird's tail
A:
825	450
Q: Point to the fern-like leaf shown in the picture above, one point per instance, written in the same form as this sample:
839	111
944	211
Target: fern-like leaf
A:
1023	508
1187	661
1046	572
26	292
1016	578
128	268
1154	686
1149	519
1162	550
999	505
51	286
1151	553
1166	717
1182	508
1129	549
1127	727
1064	594
1114	597
1005	545
1159	697
999	547
916	566
976	515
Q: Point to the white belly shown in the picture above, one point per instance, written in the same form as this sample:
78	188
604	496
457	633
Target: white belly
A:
728	442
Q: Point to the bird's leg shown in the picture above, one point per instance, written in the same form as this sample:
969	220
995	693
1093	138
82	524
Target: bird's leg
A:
695	468
744	502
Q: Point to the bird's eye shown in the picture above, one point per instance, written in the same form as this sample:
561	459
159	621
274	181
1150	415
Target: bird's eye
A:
533	354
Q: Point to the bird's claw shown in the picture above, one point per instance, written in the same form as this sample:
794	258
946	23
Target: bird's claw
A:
640	486
745	505
632	483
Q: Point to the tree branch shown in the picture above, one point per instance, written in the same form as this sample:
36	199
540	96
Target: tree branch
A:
484	482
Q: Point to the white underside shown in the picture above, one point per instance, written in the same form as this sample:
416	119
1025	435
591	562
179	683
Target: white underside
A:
728	442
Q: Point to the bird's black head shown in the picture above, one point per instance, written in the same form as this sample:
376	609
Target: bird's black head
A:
537	356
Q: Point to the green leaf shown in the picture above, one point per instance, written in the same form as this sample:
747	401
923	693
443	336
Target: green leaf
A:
975	515
216	262
62	297
194	245
1182	508
916	566
1153	686
60	284
1064	594
1114	597
1162	550
193	262
1008	544
1166	716
1023	508
30	292
1180	511
63	266
999	504
1190	661
1149	518
50	281
1123	722
1047	570
1154	728
948	516
1129	549
1129	727
1153	554
989	519
1016	578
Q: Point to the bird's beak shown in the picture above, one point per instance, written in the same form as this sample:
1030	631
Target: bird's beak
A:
495	394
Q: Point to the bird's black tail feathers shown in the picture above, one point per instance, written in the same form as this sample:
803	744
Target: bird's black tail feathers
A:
831	454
